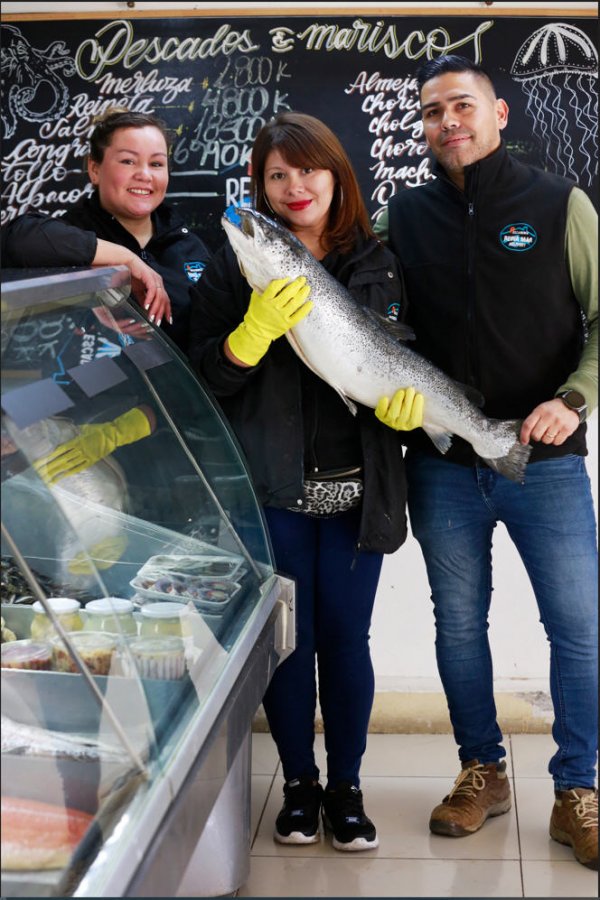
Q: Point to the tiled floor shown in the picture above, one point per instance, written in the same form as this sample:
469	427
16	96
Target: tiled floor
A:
403	777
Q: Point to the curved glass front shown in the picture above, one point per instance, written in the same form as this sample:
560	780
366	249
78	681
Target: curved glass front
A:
123	490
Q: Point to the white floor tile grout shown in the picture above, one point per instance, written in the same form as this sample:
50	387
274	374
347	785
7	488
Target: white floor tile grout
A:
512	856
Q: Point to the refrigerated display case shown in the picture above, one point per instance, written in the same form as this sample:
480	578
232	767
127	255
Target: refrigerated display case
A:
126	735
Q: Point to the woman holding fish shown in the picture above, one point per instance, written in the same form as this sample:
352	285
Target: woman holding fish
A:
331	482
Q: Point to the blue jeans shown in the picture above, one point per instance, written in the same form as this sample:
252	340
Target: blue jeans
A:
335	592
453	512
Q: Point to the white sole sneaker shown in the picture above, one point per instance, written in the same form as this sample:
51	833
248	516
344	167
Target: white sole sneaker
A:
356	845
296	837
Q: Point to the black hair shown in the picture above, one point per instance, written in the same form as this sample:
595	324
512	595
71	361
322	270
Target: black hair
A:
451	63
115	118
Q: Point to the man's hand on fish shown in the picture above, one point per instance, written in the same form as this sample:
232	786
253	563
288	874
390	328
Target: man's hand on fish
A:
92	444
551	423
403	412
269	315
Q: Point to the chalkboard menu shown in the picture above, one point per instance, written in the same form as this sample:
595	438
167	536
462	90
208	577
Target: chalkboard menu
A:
216	81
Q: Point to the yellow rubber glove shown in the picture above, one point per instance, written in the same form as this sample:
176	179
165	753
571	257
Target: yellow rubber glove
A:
102	555
269	315
93	443
404	412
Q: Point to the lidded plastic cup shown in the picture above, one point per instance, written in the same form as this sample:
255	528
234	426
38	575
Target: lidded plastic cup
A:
162	619
67	609
110	614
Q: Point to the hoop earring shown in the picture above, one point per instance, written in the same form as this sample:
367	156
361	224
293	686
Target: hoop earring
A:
268	205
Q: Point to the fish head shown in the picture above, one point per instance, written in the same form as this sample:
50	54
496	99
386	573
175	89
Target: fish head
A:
265	250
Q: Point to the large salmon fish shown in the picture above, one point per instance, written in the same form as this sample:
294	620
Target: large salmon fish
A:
361	354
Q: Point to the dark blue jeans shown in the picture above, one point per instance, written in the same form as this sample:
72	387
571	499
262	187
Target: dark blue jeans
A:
453	511
335	593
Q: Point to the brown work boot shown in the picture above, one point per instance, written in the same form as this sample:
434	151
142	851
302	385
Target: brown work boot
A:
574	821
479	791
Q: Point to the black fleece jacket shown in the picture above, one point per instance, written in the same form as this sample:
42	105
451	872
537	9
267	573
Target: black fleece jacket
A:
491	301
288	421
175	252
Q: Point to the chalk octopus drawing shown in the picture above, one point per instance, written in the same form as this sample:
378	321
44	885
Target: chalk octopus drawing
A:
25	71
558	70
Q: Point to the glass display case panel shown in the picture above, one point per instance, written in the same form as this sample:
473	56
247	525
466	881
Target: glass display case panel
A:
123	491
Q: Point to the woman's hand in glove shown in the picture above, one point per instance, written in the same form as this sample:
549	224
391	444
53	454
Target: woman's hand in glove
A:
269	315
403	412
92	444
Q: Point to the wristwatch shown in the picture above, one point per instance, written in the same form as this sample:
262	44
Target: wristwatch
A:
575	401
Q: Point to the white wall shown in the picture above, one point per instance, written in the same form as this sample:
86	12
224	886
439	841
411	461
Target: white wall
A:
402	635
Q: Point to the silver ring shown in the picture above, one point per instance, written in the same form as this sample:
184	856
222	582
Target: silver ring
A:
551	435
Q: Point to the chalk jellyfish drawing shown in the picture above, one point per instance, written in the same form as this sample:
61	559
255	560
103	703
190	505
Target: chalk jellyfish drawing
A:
558	70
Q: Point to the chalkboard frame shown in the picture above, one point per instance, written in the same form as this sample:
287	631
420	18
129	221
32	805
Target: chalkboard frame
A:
249	11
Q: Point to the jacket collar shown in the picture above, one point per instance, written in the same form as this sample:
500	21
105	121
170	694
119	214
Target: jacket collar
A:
481	174
164	221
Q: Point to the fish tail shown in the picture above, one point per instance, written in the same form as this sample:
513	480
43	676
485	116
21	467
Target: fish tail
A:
514	464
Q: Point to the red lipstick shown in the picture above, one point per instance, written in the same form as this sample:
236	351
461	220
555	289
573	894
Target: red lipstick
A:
298	204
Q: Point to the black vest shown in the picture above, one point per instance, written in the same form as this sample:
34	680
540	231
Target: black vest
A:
490	298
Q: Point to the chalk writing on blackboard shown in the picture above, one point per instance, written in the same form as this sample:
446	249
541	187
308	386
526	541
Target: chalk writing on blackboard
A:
392	105
217	82
116	44
378	37
558	70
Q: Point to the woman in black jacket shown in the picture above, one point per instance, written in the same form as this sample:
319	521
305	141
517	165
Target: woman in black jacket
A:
125	221
332	484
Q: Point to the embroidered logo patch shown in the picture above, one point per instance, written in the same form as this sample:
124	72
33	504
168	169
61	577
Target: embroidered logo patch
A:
194	270
393	311
519	236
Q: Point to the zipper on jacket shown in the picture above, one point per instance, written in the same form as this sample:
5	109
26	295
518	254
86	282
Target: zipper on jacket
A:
471	298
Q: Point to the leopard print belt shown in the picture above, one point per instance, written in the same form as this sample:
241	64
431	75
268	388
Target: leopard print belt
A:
330	496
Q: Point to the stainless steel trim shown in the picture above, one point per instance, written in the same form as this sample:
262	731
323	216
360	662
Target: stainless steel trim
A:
64	287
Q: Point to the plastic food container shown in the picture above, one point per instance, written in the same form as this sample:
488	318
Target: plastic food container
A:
95	649
210	594
205	566
206	578
159	657
67	610
163	620
26	655
110	614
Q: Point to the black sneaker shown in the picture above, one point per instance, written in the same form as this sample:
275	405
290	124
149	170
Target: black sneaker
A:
298	821
344	815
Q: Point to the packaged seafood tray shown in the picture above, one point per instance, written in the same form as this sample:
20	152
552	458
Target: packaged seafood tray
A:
209	581
212	596
205	565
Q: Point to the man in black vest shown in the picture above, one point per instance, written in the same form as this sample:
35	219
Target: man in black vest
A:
501	270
